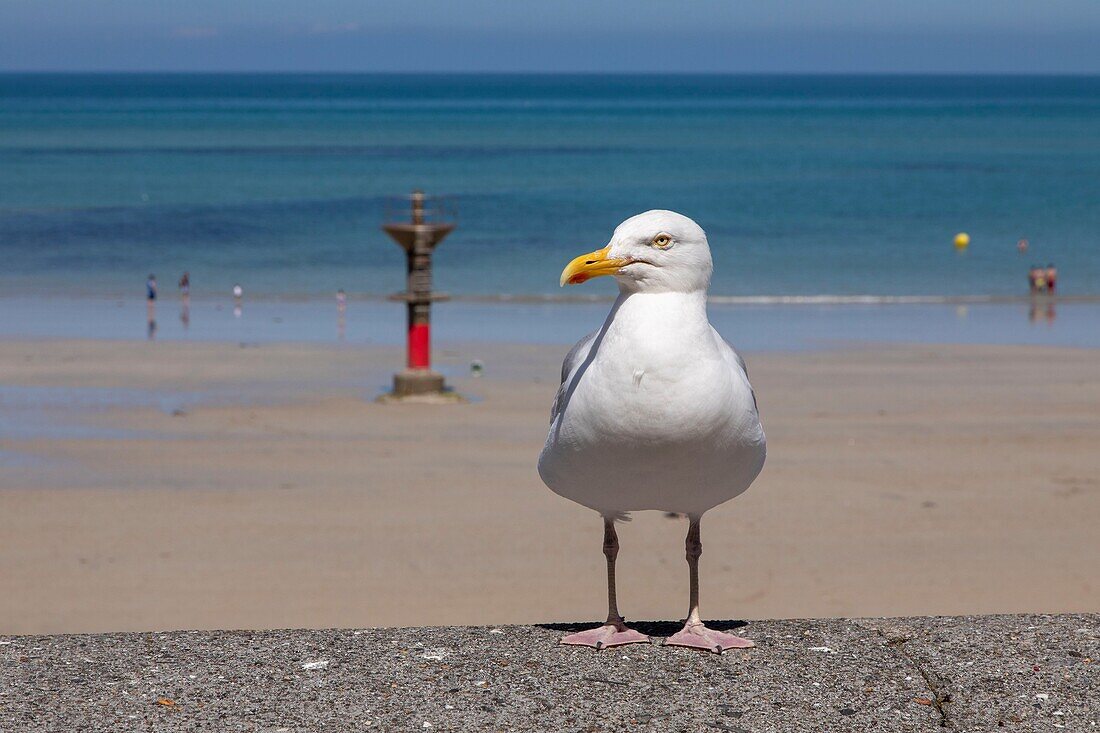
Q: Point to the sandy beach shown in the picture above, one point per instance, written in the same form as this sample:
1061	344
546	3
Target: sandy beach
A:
205	485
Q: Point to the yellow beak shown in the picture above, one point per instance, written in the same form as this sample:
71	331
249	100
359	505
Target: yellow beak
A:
593	264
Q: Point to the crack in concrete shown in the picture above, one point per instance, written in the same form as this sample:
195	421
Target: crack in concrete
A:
940	697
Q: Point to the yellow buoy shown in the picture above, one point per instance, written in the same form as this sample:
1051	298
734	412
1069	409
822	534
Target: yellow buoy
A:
962	240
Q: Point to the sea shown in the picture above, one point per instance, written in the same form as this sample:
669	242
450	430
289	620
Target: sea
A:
831	203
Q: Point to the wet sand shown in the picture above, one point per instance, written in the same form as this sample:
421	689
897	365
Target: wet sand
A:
901	480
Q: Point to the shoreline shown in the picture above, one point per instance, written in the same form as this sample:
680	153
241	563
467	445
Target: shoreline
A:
808	324
585	299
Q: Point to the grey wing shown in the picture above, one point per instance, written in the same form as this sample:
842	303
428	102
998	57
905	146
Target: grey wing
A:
731	354
576	355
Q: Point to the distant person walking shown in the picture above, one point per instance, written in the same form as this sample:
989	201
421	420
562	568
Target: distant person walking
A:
238	299
151	306
185	300
1037	276
185	289
341	311
1051	275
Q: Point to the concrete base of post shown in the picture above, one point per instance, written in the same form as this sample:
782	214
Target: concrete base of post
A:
420	385
417	381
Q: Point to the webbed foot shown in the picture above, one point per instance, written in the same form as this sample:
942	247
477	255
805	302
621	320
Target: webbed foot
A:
605	636
698	636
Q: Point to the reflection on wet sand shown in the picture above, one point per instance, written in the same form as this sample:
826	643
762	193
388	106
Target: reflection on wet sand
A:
151	320
1042	307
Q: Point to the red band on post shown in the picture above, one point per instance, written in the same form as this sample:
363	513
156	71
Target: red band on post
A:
420	346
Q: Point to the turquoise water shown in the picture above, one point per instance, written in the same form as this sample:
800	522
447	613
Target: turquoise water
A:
806	185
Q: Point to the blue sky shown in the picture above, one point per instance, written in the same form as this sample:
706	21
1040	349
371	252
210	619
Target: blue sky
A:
496	35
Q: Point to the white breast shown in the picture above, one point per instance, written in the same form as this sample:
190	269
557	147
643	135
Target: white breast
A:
656	413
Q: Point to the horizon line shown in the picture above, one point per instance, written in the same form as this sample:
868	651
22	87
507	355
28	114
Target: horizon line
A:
476	72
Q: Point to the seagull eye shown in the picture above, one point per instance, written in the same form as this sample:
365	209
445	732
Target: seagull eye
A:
662	241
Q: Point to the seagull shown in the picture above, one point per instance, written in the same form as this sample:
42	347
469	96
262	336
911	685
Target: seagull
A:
655	410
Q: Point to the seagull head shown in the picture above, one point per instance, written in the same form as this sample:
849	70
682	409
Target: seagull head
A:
654	252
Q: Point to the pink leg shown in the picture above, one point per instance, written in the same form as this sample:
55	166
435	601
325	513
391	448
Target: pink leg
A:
615	632
695	634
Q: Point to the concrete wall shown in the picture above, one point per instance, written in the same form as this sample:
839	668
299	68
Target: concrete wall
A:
965	673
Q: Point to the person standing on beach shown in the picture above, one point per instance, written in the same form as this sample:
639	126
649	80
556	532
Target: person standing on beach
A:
1039	280
1051	275
185	300
151	306
238	298
1032	279
341	310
